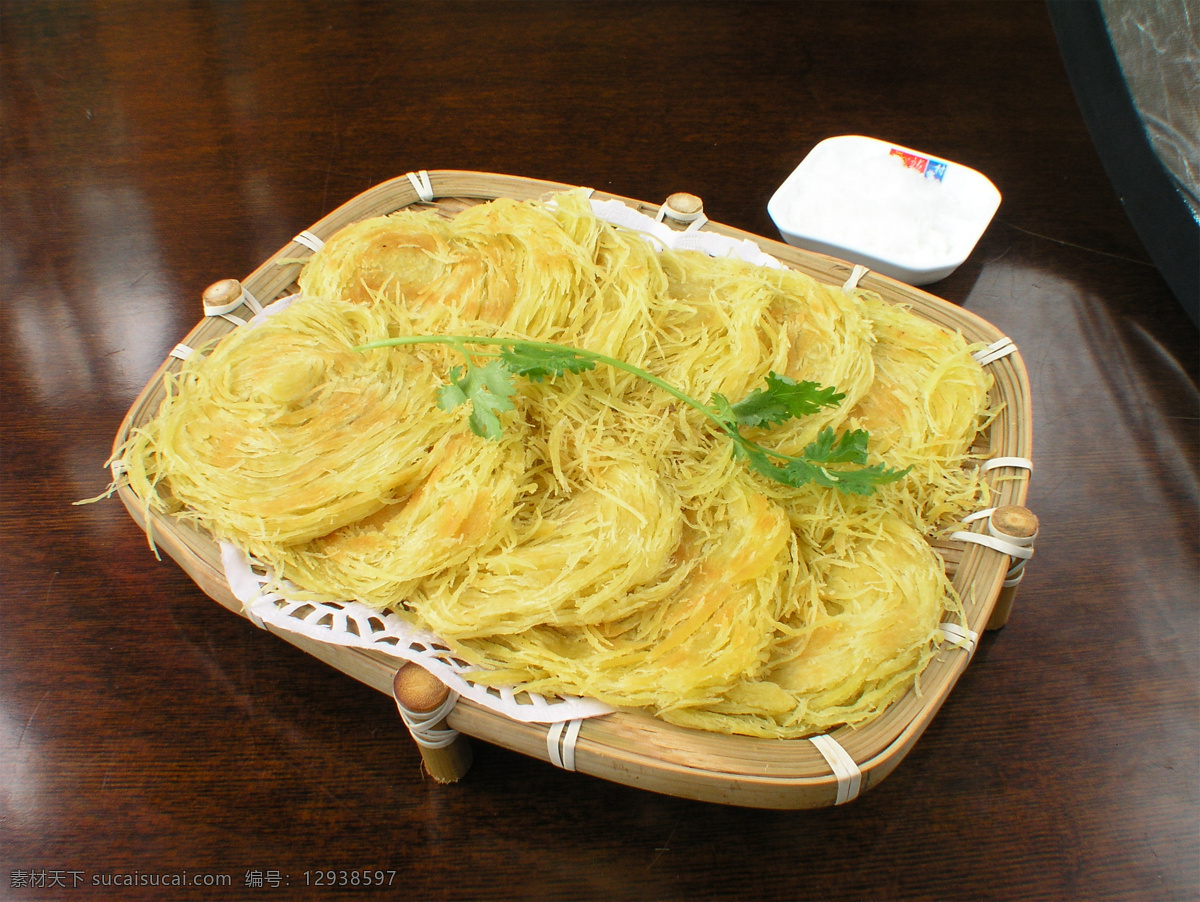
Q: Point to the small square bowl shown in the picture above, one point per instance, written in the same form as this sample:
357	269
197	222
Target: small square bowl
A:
898	211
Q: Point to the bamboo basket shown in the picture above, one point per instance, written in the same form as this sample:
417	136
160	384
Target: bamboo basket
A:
631	747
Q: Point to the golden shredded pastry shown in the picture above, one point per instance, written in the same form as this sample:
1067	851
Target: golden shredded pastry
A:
609	544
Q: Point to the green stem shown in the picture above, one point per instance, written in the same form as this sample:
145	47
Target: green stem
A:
758	455
459	340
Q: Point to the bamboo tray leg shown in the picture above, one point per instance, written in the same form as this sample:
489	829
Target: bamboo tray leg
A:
1018	525
424	701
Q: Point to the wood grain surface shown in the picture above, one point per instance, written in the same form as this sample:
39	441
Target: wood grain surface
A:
148	735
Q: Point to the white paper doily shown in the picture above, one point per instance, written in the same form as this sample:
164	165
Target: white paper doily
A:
618	214
353	624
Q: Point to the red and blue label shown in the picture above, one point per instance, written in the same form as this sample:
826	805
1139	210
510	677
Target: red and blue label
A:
931	168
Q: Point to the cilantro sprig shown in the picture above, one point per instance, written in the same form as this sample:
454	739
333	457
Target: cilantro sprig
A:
834	461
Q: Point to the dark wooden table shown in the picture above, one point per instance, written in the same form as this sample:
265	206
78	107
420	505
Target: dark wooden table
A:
151	148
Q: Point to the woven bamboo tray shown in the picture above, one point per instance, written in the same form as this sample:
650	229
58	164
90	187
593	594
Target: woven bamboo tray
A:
631	747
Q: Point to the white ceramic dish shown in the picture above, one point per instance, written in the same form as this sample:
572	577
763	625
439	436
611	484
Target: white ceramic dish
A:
901	212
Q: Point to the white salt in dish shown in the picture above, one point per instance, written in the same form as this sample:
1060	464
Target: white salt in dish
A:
898	211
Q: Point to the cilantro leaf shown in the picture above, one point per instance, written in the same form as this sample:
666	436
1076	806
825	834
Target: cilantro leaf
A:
450	396
800	471
860	480
488	388
536	363
724	412
847	448
783	399
816	464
